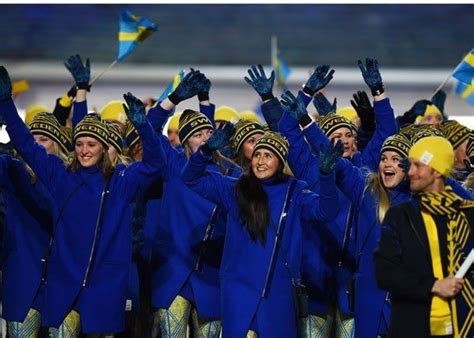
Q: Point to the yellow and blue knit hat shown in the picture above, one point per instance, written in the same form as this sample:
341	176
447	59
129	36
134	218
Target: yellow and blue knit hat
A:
274	142
435	152
243	130
455	132
431	109
397	143
93	126
115	136
46	124
131	134
425	130
331	122
190	122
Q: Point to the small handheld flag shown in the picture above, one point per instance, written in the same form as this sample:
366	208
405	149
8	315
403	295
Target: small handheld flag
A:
464	72
172	86
466	92
133	30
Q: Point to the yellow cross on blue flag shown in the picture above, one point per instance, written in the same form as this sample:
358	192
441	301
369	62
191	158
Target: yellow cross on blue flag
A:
466	92
133	30
464	72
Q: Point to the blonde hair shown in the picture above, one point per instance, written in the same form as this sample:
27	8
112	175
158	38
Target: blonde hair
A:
57	151
375	186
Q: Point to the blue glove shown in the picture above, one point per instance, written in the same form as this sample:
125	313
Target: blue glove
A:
293	105
259	81
404	165
79	71
204	88
220	138
188	87
318	80
5	85
135	110
323	106
328	159
371	75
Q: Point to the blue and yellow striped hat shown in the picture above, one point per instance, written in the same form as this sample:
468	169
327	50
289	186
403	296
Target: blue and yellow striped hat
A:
274	142
190	122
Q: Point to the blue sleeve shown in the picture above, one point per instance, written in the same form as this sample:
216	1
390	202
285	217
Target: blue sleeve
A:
363	139
385	127
80	110
272	112
157	116
48	168
315	138
213	186
322	208
142	173
302	162
305	98
459	189
209	111
351	181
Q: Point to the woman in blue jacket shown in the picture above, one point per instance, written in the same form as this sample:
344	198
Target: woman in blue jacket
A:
189	236
28	226
256	290
87	269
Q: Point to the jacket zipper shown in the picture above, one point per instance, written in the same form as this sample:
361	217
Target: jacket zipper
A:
96	234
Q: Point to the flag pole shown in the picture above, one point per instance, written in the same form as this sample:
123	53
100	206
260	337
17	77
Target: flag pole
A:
441	85
274	51
98	76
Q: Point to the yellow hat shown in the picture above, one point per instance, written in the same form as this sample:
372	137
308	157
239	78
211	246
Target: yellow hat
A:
431	109
348	112
249	115
174	121
114	111
435	152
226	113
34	109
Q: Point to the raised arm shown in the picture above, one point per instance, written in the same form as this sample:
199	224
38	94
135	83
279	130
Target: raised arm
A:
47	167
81	73
326	207
213	186
384	116
142	173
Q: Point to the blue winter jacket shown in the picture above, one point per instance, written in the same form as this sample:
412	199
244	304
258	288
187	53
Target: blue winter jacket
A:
88	265
184	218
245	262
28	225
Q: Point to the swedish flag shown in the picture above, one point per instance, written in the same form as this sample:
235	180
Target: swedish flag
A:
133	30
172	86
464	72
282	70
466	92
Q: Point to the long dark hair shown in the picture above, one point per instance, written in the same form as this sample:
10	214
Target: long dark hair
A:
253	203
